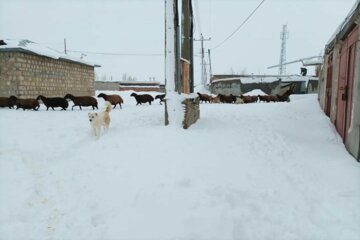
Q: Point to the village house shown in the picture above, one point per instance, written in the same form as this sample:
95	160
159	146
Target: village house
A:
28	69
339	85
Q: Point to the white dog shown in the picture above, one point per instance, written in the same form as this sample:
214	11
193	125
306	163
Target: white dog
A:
97	120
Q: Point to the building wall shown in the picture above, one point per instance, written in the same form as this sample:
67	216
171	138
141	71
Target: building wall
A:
111	86
226	87
28	75
353	138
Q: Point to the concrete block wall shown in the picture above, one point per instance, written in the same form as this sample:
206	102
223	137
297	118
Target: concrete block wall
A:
27	75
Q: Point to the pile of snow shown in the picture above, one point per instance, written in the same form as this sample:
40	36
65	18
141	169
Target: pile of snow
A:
249	171
201	89
255	92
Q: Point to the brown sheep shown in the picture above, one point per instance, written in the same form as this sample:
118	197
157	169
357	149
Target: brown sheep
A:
84	101
113	99
267	98
142	98
249	99
204	97
7	102
28	103
215	99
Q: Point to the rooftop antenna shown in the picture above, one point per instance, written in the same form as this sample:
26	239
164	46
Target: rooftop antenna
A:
284	35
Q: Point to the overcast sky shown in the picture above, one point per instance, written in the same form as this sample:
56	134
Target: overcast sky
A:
134	31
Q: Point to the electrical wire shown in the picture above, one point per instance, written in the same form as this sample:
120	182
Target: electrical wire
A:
238	28
120	54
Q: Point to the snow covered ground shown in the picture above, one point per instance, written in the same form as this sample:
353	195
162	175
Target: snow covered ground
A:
251	172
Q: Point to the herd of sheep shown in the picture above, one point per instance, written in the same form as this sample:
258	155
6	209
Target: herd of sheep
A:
89	101
80	101
221	98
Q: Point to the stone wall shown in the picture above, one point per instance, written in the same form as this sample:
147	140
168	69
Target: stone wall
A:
109	86
192	111
28	75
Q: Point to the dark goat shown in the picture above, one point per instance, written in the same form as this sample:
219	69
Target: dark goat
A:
142	98
160	97
84	101
267	98
204	97
227	99
113	99
7	102
28	103
53	102
286	96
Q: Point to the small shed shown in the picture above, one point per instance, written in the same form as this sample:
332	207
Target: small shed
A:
339	85
28	69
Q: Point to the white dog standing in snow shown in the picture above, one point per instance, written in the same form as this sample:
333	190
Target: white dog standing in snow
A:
102	119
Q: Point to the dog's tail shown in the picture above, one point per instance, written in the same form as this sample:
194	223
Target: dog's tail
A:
108	106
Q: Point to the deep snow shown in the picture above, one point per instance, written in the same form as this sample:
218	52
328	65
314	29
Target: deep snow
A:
249	171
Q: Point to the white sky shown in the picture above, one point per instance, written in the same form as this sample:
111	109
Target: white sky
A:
137	27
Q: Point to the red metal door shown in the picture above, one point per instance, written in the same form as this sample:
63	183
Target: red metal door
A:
345	84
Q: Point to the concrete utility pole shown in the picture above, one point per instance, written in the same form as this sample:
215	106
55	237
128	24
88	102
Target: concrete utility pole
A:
172	60
284	35
210	69
187	46
65	50
203	70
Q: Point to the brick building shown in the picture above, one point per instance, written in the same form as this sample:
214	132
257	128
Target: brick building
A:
28	69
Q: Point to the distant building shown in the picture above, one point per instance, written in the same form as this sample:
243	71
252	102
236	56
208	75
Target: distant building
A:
339	85
136	86
28	69
142	86
269	84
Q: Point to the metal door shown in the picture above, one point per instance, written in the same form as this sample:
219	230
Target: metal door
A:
345	84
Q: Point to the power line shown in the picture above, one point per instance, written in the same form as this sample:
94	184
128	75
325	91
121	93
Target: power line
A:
120	54
238	28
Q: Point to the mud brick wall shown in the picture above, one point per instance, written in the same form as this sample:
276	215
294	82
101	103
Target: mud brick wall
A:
192	111
28	75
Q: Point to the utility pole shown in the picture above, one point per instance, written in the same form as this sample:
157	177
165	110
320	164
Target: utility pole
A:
172	60
65	51
203	73
284	35
187	46
210	69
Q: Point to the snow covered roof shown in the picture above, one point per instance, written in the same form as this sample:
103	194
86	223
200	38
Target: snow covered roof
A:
343	27
28	46
265	78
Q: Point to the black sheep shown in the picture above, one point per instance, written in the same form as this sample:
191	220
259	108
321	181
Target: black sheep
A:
142	98
160	97
53	102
